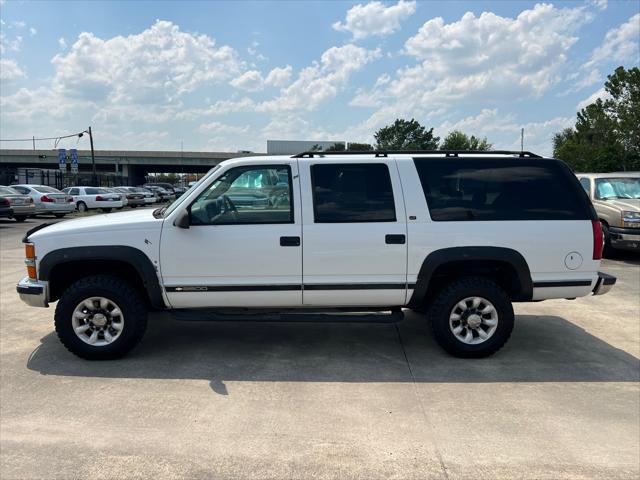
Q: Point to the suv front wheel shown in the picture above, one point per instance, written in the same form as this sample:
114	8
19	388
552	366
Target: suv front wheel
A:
471	317
100	317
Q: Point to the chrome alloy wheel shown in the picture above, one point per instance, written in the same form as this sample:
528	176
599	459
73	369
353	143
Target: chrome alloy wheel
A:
473	320
97	321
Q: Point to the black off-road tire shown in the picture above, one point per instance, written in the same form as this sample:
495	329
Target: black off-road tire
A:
128	299
446	299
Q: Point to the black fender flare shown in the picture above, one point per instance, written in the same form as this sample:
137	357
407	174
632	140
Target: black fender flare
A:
134	257
442	256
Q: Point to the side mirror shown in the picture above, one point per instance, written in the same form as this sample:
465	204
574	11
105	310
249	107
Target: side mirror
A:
182	220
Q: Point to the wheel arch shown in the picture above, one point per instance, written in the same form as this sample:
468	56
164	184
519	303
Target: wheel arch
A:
507	266
69	264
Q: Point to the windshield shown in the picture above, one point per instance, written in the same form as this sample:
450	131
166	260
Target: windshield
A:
9	191
170	208
46	190
623	187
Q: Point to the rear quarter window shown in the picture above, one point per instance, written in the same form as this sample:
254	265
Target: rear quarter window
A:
478	189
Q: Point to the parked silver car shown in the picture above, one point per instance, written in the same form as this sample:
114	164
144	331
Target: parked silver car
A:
22	205
47	199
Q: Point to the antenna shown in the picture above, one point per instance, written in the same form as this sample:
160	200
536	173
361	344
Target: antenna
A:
522	139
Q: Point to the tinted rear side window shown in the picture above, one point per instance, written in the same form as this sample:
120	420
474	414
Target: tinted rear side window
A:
501	189
344	193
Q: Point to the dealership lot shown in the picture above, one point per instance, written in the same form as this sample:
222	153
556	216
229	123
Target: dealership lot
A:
341	400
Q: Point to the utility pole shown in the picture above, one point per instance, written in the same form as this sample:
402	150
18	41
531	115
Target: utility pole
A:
522	140
93	159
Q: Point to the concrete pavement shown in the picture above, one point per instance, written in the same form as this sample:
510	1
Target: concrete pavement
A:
298	400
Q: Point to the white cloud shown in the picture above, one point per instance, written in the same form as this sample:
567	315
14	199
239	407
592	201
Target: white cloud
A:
583	80
155	66
122	81
62	43
279	77
600	93
321	81
7	44
503	130
375	19
33	31
476	62
9	70
599	4
620	44
222	129
250	81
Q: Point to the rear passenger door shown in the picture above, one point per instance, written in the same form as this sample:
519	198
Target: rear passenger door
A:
354	233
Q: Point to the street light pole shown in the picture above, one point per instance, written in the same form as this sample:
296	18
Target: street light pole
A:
93	159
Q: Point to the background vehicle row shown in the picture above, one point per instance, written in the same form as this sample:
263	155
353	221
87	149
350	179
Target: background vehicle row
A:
21	205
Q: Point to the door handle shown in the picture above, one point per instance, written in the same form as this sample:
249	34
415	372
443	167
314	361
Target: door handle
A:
289	241
395	239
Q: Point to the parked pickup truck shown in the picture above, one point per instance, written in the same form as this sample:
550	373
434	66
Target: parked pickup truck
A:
458	235
616	198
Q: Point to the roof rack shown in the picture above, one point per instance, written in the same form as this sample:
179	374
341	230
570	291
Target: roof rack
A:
448	153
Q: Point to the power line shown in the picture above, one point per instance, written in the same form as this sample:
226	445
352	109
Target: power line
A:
79	134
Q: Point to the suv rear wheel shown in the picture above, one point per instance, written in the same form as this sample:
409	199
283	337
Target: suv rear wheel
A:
471	317
100	317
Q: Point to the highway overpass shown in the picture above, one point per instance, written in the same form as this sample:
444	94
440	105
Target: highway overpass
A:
126	163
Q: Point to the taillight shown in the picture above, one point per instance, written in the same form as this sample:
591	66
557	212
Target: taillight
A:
598	239
131	197
69	199
99	198
30	260
44	198
5	201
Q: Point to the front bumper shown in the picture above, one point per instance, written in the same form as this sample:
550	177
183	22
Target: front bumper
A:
625	238
33	292
604	283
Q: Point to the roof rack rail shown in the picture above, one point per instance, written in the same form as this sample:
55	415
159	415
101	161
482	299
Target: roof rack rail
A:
448	153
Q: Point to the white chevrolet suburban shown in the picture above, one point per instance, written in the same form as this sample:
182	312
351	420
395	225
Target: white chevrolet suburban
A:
457	235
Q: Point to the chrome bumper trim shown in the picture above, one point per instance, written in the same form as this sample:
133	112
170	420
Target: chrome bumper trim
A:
604	283
33	292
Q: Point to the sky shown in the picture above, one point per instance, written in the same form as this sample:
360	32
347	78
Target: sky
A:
227	76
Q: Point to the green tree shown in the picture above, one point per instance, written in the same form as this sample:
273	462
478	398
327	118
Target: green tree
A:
406	135
457	140
336	147
606	133
359	147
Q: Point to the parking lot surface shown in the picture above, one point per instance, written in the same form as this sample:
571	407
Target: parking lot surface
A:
340	400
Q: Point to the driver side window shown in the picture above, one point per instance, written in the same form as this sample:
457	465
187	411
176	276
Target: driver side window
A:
246	196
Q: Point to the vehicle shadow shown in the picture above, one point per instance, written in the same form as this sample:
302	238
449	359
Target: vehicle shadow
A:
542	349
625	256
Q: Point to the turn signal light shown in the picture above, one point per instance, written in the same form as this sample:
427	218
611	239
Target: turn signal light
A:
30	260
44	198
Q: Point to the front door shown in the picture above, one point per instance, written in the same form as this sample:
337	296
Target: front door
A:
355	233
243	247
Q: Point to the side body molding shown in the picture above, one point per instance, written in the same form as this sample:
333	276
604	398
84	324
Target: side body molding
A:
523	291
134	257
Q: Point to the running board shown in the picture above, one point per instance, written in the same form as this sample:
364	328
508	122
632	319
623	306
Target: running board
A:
212	315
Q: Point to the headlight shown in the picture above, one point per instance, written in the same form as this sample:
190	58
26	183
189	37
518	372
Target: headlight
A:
630	219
